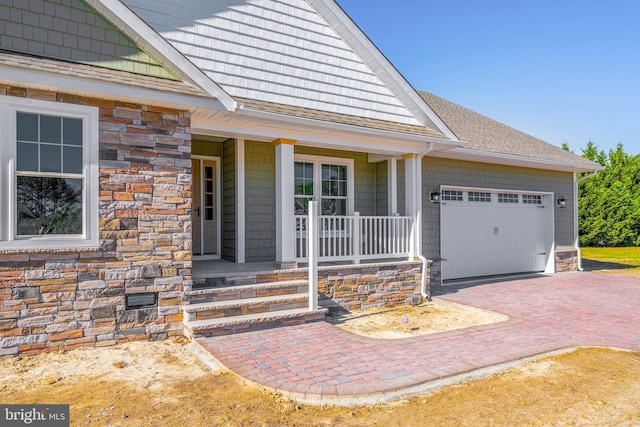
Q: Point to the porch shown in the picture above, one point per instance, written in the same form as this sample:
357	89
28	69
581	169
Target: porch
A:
211	268
250	200
228	298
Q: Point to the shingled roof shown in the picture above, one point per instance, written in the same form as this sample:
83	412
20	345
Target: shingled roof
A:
487	135
326	116
37	63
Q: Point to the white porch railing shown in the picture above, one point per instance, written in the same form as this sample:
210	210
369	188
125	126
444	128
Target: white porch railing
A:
354	238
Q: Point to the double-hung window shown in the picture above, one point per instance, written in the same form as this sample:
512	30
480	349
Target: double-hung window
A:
49	174
328	180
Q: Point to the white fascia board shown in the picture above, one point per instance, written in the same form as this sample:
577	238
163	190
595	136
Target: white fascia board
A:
340	21
264	126
86	87
513	160
142	34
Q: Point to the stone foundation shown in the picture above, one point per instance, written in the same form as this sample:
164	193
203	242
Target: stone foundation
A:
566	261
370	286
66	298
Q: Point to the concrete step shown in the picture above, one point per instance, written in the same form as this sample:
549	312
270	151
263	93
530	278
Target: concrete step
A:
219	309
251	322
256	290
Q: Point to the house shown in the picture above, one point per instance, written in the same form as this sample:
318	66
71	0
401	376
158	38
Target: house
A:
138	136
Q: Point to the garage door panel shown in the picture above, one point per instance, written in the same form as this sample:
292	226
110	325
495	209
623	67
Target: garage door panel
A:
490	237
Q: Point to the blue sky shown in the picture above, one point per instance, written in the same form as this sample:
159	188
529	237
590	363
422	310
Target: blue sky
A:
562	70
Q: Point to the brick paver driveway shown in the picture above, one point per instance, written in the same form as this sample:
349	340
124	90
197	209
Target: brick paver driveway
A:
546	314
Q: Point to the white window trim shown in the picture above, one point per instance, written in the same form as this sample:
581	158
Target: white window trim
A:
318	161
90	194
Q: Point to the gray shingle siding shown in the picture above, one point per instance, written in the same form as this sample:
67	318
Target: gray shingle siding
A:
260	201
401	187
229	221
205	148
71	30
438	172
382	187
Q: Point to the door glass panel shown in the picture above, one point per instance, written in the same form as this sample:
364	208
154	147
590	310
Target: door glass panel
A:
209	195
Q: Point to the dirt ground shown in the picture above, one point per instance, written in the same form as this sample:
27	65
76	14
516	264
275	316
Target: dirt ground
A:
165	384
404	322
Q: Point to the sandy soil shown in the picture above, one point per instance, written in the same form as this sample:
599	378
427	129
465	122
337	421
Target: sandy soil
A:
404	322
165	384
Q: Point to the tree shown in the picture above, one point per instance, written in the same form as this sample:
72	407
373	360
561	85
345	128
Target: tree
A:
609	209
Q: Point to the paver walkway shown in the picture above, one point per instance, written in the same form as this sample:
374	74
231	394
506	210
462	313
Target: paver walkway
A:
546	314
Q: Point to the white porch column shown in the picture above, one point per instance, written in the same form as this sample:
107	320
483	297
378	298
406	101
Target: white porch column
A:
285	215
412	199
240	203
392	184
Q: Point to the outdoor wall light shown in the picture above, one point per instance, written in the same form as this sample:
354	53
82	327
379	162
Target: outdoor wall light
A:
561	202
434	196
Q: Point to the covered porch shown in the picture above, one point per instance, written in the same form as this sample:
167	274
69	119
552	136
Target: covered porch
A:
250	202
365	174
255	187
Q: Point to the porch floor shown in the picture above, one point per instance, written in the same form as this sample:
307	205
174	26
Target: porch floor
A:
203	269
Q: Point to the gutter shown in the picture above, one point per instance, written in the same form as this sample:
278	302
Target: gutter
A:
576	243
426	293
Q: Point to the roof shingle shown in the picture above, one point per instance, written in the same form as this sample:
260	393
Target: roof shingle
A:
326	116
484	134
36	63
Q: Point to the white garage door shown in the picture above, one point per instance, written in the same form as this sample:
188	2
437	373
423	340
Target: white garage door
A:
488	232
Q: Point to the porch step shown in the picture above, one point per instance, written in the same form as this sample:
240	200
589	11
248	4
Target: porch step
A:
254	302
255	290
251	322
238	307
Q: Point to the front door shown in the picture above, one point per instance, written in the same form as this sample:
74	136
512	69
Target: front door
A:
205	213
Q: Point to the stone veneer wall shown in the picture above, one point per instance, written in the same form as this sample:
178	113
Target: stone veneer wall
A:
370	285
566	260
63	299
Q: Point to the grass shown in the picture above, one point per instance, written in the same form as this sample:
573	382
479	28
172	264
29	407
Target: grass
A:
616	261
627	256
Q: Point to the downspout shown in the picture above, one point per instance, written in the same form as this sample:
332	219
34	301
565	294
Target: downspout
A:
576	244
423	280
